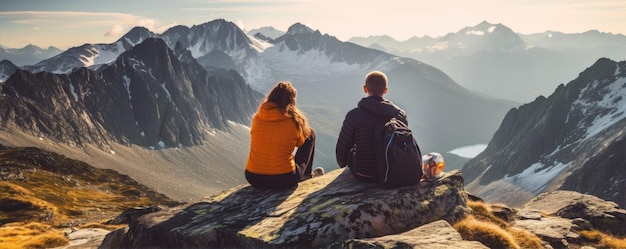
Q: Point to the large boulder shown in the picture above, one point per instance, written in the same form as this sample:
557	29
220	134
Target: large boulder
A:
438	234
558	232
318	212
603	215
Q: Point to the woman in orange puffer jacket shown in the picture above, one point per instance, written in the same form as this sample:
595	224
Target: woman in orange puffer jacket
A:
277	129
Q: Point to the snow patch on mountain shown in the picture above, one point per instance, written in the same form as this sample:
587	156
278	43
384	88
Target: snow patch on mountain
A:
127	86
536	177
233	123
106	56
73	91
258	44
480	32
614	101
88	59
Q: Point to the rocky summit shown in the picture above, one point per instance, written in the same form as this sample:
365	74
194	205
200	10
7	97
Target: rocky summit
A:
318	213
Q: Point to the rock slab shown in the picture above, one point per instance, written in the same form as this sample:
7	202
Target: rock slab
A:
318	212
603	215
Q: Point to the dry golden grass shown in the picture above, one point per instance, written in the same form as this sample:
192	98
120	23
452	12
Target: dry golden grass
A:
20	204
489	234
525	239
601	240
483	212
31	235
57	192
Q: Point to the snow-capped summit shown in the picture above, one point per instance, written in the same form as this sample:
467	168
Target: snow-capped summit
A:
299	28
135	36
482	37
218	34
572	140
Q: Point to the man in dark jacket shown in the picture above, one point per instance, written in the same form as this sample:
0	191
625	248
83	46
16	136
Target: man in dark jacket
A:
356	146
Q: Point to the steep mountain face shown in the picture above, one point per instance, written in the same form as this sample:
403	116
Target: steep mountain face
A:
572	140
6	69
219	35
146	97
28	55
492	59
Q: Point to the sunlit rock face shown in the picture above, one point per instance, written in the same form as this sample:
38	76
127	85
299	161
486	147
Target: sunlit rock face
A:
318	212
572	140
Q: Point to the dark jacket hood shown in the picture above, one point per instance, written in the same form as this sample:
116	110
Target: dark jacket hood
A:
380	107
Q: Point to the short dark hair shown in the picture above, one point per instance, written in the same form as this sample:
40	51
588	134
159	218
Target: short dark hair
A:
376	83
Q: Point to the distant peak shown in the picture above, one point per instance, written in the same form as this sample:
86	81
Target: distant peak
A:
138	29
217	22
486	28
299	28
484	23
31	46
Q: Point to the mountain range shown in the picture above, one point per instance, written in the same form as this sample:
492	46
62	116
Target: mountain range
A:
192	90
572	140
328	74
149	96
28	55
495	60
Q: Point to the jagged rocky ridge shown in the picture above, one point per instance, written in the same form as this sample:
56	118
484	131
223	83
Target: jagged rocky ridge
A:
572	140
149	96
6	69
202	40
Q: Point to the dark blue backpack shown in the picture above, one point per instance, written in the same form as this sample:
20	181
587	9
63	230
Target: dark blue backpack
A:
398	155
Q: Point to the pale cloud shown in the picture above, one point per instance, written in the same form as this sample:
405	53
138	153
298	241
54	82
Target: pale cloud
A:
116	31
77	19
343	19
146	23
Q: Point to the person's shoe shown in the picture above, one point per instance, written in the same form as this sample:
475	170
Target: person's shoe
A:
319	171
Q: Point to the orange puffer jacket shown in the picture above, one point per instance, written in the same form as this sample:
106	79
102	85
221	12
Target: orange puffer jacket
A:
273	138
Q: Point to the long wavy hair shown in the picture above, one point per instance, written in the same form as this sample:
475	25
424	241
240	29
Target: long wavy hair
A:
284	96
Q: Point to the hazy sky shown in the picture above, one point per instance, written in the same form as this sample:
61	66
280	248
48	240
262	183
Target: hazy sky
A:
68	23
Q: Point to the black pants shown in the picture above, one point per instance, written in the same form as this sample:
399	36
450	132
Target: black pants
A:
304	165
